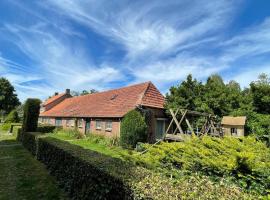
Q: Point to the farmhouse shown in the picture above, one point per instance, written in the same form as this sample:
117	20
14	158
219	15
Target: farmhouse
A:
233	126
102	112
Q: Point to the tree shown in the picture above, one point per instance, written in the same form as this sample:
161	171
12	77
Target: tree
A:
216	96
261	94
8	97
187	95
133	129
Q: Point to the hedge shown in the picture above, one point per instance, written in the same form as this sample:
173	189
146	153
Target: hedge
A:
31	113
86	174
46	128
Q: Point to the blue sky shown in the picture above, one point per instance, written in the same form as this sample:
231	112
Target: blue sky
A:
50	45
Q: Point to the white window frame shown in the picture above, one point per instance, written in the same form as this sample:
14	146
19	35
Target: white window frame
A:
98	127
106	125
80	123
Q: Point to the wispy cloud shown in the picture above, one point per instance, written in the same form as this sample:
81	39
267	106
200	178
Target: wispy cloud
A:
59	65
136	41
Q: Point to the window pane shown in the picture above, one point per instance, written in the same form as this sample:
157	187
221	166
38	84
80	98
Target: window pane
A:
108	125
98	124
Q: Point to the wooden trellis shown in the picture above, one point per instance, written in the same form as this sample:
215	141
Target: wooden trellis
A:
181	115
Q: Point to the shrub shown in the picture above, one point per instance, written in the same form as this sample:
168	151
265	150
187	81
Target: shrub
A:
46	128
245	160
12	117
86	174
133	129
31	113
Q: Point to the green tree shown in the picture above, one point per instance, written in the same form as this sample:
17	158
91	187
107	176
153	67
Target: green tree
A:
133	129
261	94
8	97
216	96
186	95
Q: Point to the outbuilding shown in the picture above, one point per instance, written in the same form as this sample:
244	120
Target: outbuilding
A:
233	126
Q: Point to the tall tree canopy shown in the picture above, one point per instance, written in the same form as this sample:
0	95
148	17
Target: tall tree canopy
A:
8	97
261	94
186	94
226	99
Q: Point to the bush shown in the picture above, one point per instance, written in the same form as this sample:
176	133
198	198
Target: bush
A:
245	161
86	174
46	128
133	129
12	117
31	113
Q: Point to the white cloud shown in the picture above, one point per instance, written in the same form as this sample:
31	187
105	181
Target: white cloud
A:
60	63
163	41
149	28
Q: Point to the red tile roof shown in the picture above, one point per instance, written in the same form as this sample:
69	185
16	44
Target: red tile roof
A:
112	103
52	99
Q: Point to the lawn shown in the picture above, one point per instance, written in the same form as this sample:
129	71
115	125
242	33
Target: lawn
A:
22	176
95	143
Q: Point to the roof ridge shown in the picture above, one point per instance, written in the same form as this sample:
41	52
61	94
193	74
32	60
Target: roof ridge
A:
97	93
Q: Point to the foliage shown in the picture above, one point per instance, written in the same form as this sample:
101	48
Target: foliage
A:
245	160
46	128
86	174
31	113
8	97
12	117
133	129
261	94
222	99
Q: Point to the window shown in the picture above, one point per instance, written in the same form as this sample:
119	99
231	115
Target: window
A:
108	126
70	122
234	131
58	122
67	122
98	124
80	123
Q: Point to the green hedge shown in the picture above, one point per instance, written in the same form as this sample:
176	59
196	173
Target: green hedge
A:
86	174
31	113
46	128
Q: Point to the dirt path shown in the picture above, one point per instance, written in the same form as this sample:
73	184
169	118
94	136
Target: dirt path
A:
23	177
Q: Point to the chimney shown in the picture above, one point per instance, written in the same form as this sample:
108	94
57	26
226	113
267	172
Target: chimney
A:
67	91
56	93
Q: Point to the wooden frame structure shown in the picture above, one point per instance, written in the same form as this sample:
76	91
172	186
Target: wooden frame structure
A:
181	115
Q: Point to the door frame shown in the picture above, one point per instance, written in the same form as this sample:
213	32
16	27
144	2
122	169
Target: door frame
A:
164	126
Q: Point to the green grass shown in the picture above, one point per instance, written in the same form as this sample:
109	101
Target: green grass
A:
23	177
94	143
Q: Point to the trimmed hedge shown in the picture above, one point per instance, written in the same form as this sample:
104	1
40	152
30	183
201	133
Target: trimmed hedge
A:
30	116
46	128
86	174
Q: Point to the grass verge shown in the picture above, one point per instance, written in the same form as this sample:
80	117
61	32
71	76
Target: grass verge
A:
22	176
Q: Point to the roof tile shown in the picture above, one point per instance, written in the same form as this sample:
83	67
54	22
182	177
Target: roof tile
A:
112	103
